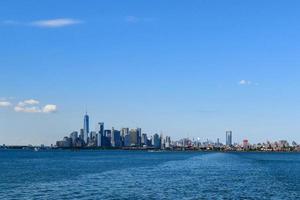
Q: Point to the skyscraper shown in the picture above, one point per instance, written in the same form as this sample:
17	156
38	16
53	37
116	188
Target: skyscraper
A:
115	138
134	137
107	138
144	139
127	142
156	141
100	134
228	138
86	127
112	139
124	132
81	134
162	142
168	142
74	136
139	136
92	141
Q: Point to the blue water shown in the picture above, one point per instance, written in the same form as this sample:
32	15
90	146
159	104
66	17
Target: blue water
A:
145	175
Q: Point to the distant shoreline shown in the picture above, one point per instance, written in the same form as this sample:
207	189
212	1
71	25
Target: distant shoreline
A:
35	148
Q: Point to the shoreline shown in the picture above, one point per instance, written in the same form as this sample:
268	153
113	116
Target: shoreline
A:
36	148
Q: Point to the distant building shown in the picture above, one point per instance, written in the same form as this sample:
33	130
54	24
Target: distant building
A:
144	139
92	140
134	137
107	138
81	135
100	134
139	136
86	128
162	141
112	138
186	142
115	138
107	133
246	144
127	142
156	141
74	137
124	131
283	144
228	138
168	142
218	144
65	143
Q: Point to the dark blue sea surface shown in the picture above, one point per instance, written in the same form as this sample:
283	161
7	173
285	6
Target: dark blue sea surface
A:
26	174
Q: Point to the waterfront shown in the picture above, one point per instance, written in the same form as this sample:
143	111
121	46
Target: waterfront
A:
135	139
148	175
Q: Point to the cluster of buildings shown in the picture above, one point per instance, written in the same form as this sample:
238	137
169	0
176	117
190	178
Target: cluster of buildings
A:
106	138
134	139
245	145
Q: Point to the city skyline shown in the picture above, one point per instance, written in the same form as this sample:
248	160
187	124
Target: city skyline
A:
191	69
136	139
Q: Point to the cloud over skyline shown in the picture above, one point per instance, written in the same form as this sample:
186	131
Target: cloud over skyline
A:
27	109
50	108
245	82
28	102
30	106
5	104
44	23
55	23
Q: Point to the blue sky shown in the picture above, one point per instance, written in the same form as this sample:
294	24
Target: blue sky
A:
185	68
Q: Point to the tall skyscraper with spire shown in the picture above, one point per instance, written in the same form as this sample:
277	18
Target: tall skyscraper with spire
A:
228	138
86	127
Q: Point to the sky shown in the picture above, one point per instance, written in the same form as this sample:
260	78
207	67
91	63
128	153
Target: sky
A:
182	68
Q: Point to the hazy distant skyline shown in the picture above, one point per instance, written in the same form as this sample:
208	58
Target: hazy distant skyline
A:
184	68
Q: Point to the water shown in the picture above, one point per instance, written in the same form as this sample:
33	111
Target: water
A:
145	175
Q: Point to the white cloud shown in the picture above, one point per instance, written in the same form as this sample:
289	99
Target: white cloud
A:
245	82
50	108
28	102
48	23
32	106
5	104
55	23
30	109
31	102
